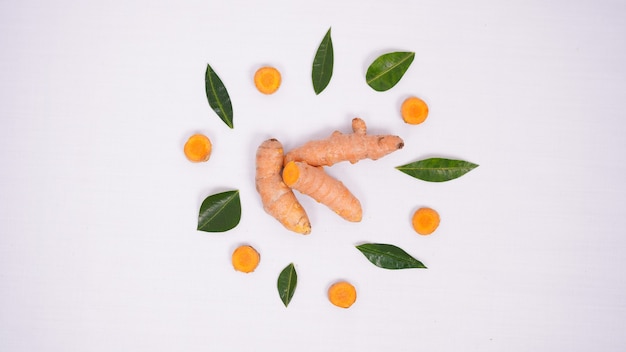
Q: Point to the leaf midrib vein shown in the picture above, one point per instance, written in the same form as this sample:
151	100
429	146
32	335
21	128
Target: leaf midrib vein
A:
382	73
394	256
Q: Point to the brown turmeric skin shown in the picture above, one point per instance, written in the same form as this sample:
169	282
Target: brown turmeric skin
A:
346	147
316	183
278	199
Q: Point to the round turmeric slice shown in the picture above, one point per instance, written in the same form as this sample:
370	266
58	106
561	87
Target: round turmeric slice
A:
425	221
267	80
245	259
342	294
414	110
198	148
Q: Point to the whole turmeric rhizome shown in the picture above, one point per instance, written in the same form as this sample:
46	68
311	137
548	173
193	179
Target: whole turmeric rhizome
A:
278	174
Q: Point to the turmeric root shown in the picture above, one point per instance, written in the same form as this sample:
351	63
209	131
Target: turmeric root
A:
316	183
278	199
341	147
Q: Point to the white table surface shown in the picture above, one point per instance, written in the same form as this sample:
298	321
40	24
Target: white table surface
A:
98	206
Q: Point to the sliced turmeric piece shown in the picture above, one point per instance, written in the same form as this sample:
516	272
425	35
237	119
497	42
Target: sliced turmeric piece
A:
278	199
425	221
414	110
316	183
267	80
245	259
342	294
198	148
345	147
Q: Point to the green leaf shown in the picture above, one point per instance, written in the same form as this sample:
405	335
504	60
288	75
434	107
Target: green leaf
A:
388	256
218	97
220	212
323	64
388	69
437	169
287	282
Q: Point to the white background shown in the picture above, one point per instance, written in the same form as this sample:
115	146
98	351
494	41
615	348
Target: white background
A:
98	205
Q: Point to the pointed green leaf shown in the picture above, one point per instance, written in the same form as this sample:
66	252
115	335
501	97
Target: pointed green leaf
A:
218	97
388	69
323	64
220	212
287	282
437	169
388	256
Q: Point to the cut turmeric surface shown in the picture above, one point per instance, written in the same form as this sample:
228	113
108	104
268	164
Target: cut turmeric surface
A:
278	199
267	79
345	147
245	259
198	148
414	110
425	221
316	183
342	294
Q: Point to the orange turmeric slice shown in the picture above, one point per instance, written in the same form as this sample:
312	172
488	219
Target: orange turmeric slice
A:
414	110
245	259
425	221
267	80
342	294
198	148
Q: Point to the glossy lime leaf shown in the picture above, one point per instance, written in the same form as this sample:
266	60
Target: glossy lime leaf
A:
218	97
437	169
387	70
220	212
323	64
388	256
287	282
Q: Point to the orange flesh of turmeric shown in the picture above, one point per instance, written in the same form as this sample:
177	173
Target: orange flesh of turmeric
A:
198	148
291	174
346	147
425	221
316	183
267	80
342	294
414	110
245	259
277	198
